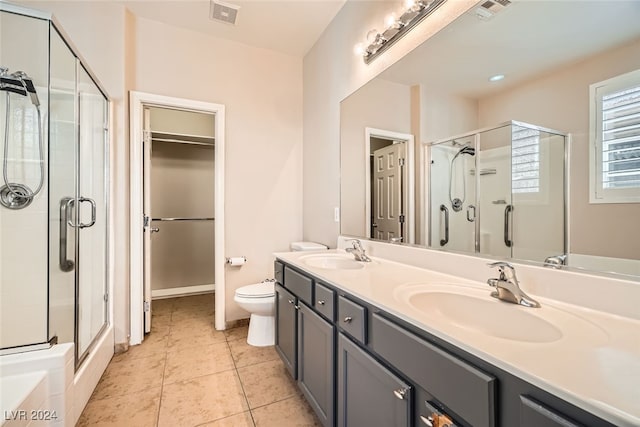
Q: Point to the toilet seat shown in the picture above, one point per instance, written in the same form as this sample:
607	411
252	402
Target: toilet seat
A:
258	290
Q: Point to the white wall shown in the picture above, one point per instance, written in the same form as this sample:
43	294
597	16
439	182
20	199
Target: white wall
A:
331	72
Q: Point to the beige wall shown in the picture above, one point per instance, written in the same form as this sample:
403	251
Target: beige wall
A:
331	72
561	101
356	114
262	93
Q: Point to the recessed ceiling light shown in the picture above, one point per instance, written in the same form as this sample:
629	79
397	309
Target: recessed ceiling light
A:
496	78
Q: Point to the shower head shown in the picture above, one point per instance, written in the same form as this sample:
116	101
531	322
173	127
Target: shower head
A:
467	150
29	86
11	83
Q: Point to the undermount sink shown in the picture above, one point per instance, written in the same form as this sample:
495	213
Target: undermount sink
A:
472	309
332	262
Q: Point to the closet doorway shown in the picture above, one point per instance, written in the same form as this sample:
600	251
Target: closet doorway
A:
176	203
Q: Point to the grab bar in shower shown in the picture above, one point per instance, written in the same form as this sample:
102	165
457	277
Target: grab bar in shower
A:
444	209
507	210
66	265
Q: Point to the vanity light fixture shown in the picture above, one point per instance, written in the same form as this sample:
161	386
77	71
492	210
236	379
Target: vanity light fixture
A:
395	27
496	78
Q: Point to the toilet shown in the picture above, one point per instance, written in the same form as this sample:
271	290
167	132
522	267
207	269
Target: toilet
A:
259	299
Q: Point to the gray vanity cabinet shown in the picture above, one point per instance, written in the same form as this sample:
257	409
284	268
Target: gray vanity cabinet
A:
316	363
286	329
369	394
535	414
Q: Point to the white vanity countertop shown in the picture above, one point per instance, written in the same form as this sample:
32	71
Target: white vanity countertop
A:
595	365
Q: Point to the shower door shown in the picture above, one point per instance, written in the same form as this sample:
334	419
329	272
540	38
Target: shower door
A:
453	195
495	202
91	281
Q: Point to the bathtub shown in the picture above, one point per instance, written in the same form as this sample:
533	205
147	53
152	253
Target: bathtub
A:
40	388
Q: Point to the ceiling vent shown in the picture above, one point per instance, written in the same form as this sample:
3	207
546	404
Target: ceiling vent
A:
223	12
489	8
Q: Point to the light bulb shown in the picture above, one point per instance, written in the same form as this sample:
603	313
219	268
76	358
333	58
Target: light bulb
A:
409	4
496	78
358	49
371	36
390	20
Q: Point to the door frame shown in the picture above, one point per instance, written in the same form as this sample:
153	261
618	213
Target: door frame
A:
410	163
137	102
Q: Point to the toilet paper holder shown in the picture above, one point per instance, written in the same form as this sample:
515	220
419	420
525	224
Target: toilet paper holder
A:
236	261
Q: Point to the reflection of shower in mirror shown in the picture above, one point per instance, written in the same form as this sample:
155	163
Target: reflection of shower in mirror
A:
457	203
14	195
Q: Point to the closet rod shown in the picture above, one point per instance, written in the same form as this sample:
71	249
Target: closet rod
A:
179	141
182	219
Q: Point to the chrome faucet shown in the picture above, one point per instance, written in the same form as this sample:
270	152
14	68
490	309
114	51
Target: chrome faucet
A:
507	286
556	261
357	251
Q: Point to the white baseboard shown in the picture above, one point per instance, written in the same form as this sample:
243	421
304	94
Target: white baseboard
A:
181	291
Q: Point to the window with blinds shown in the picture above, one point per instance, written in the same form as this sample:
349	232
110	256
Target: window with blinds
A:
525	160
615	134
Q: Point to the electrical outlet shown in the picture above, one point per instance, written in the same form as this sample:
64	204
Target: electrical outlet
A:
336	214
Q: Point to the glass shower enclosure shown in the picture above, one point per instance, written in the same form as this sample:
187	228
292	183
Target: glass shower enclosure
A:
53	189
500	192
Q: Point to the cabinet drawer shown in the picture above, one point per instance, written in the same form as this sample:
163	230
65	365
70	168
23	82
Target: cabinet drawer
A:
352	318
468	392
324	298
299	284
534	414
278	272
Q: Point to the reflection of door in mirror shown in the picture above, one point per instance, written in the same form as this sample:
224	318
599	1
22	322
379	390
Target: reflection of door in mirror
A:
388	192
389	178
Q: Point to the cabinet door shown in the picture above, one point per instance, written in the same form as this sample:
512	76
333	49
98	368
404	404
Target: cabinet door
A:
316	361
368	393
534	414
286	329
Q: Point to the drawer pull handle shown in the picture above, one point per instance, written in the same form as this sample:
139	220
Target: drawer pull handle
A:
321	302
400	393
348	319
428	421
291	301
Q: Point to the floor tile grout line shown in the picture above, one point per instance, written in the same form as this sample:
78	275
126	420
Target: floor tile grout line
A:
164	371
244	393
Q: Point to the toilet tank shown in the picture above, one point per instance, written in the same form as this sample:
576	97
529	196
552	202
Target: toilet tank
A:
307	246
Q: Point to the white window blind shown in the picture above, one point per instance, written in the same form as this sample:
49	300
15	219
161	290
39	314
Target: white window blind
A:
525	160
616	139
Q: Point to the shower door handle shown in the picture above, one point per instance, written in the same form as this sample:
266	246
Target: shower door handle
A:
507	210
66	265
444	209
93	212
471	218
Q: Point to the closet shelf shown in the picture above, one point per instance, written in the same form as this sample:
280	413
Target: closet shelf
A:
182	219
180	138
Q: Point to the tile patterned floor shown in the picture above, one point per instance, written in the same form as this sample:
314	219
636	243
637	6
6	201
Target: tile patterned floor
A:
188	374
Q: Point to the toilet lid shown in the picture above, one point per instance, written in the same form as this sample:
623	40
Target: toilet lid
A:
259	290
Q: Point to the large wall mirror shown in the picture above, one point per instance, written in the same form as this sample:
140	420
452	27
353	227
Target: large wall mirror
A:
512	136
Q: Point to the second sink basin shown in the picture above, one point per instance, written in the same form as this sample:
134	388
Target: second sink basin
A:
332	261
468	308
495	318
